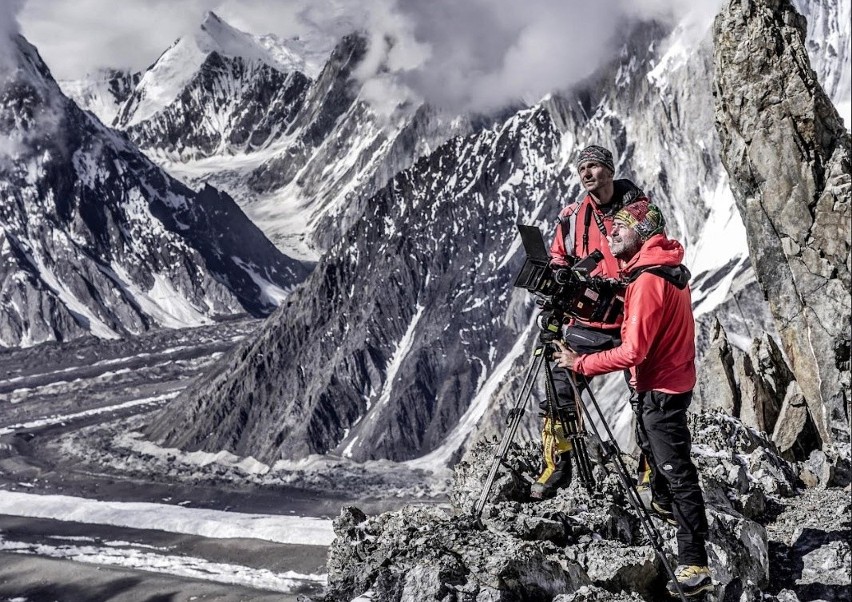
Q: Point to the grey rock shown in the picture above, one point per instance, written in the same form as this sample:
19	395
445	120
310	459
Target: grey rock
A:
809	546
788	156
795	433
426	553
821	565
763	377
817	470
592	593
738	550
716	384
617	567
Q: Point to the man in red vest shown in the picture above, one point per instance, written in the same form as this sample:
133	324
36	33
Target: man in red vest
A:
582	228
658	347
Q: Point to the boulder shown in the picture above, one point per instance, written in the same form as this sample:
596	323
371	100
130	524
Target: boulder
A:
716	386
763	378
795	434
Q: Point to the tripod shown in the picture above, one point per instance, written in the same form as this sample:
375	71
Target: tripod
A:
542	354
609	448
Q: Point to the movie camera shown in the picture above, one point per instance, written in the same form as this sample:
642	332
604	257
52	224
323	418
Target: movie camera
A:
568	291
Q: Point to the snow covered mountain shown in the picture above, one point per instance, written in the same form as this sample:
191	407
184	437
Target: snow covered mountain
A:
400	321
397	361
96	239
829	49
295	145
103	92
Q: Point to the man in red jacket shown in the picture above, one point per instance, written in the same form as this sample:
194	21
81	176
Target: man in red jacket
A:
582	228
658	346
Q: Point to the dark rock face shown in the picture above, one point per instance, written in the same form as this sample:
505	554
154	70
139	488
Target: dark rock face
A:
325	102
404	308
97	239
788	157
575	546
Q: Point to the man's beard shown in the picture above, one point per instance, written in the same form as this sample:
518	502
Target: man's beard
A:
627	251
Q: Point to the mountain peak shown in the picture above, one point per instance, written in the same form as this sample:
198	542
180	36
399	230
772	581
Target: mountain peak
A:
211	18
168	76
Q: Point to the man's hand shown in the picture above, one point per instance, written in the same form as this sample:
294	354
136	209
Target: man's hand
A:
564	357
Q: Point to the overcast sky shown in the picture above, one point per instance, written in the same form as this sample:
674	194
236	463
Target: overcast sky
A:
459	53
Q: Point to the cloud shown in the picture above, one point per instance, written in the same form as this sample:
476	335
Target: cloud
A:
483	54
463	55
8	29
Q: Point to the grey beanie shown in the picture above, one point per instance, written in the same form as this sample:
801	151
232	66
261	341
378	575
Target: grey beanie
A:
598	154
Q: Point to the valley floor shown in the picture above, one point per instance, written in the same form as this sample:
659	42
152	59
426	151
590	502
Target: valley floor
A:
73	530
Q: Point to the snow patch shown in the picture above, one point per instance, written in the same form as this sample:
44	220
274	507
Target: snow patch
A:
216	524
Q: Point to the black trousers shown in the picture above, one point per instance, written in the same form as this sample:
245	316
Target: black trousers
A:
664	438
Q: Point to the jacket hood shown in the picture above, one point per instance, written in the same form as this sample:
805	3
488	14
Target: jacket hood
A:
664	255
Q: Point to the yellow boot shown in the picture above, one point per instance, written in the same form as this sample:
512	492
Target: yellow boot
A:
557	461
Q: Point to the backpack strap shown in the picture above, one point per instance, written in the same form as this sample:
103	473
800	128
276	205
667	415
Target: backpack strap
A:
587	221
678	275
568	221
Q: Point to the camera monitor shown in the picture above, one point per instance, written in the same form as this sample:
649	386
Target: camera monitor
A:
533	242
535	273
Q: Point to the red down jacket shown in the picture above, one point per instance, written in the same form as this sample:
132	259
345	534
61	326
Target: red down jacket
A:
658	332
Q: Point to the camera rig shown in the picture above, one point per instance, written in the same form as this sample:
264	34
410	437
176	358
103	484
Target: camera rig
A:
567	291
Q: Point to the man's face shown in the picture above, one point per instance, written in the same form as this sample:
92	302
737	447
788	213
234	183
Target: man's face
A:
594	176
624	242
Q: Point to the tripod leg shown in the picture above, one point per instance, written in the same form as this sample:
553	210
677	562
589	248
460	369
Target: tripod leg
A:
557	446
584	464
626	482
516	414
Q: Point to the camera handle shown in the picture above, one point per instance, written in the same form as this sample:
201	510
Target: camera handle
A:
611	451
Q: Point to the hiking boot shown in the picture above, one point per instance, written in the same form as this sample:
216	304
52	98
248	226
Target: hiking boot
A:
664	511
643	487
554	477
693	580
556	461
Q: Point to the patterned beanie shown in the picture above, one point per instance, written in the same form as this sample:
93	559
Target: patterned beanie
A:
642	216
598	154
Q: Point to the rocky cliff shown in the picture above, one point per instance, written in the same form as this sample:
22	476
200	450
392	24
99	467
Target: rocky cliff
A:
582	546
788	157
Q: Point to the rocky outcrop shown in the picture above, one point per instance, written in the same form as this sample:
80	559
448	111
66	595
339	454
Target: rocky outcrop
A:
759	390
716	386
576	546
788	157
